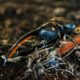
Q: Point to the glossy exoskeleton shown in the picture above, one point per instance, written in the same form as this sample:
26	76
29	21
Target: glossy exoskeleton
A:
50	32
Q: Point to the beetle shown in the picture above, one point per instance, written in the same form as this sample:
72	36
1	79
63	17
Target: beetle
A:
50	32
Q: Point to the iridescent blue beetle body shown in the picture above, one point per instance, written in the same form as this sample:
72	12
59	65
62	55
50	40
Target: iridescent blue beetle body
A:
48	35
70	27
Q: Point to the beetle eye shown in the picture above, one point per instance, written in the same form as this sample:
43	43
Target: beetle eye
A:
70	26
